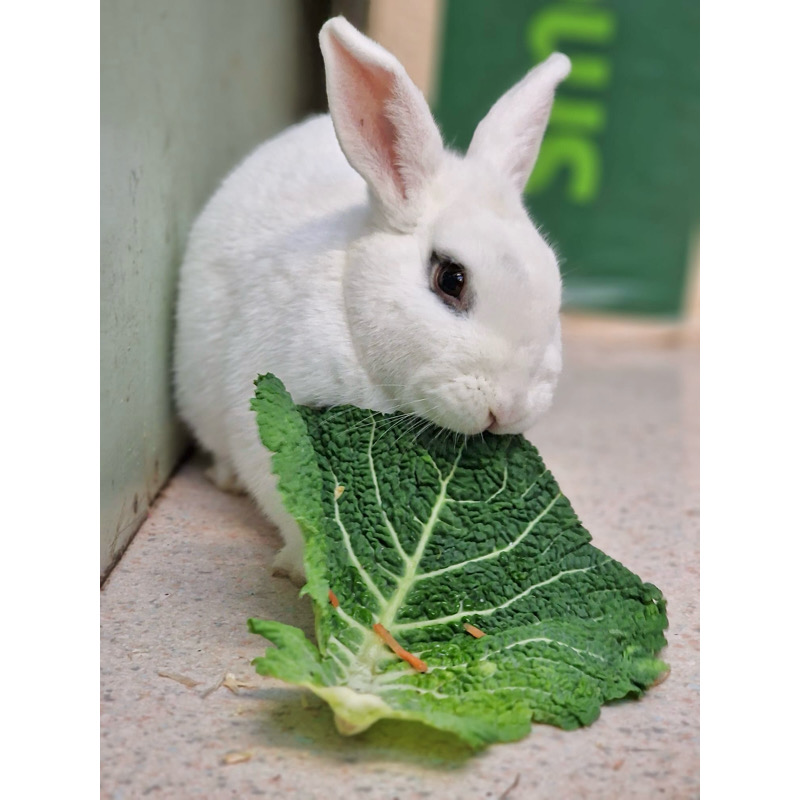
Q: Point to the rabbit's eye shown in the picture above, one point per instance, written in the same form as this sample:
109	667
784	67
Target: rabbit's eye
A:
449	281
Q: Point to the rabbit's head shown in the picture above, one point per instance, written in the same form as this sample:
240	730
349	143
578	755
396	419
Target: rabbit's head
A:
452	296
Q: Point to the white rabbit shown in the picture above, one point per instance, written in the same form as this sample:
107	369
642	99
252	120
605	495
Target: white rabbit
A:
362	262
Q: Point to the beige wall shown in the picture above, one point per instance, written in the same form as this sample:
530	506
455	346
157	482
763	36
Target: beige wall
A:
410	29
187	88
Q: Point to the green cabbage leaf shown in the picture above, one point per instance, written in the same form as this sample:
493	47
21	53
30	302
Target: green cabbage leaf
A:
424	532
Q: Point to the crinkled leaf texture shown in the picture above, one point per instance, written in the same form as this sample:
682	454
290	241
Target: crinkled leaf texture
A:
425	532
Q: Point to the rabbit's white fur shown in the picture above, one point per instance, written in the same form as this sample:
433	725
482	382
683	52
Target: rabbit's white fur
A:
318	270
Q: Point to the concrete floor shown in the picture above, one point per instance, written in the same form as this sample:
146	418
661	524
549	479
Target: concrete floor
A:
184	715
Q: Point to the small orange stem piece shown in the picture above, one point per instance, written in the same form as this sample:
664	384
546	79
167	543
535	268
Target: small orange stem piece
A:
333	598
410	658
473	631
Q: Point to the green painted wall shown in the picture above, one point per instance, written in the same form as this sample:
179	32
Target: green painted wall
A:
188	87
616	186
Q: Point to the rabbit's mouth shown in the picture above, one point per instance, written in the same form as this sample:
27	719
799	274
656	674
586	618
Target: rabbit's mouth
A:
510	421
473	405
500	428
462	406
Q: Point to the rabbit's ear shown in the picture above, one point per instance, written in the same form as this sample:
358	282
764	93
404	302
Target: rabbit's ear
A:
382	122
510	135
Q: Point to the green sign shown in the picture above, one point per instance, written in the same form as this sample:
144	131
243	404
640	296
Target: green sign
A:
616	186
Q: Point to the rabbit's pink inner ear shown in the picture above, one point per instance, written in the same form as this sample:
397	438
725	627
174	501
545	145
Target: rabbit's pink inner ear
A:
360	108
382	120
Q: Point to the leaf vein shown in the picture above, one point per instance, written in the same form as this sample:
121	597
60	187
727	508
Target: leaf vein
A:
386	521
483	612
494	553
351	553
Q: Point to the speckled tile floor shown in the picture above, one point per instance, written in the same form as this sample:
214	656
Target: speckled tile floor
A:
622	441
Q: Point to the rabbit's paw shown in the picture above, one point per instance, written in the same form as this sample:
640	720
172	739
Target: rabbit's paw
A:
289	563
223	476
